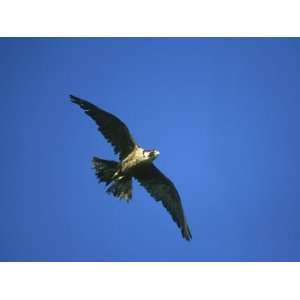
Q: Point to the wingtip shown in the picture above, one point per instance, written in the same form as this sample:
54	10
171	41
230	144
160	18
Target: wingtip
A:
188	238
74	99
81	102
186	233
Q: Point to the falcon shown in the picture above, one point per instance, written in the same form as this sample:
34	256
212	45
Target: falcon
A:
134	162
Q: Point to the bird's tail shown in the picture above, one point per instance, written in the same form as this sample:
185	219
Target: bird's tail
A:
105	170
121	188
108	171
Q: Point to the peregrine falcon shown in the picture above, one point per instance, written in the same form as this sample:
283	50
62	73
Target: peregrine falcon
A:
134	162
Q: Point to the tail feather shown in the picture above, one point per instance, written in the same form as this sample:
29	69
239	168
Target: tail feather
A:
121	188
107	171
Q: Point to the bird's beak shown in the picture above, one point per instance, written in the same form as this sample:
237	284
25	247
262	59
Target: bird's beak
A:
156	153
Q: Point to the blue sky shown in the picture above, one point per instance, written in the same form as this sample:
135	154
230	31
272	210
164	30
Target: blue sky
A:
224	114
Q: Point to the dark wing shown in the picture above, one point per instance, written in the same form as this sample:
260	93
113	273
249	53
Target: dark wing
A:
162	189
113	129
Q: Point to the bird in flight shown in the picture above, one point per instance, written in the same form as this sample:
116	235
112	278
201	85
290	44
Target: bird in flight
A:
135	162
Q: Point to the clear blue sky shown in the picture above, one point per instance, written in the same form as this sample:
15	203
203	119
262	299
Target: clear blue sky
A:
224	114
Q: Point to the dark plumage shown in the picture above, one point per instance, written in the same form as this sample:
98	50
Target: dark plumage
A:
135	162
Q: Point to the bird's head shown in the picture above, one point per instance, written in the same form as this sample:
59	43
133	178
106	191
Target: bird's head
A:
155	153
151	154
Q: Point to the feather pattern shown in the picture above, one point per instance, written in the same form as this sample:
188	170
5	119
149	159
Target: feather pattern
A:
162	189
113	129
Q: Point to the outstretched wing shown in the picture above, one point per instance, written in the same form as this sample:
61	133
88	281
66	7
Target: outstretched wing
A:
113	129
162	189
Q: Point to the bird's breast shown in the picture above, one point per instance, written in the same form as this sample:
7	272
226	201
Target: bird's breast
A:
135	158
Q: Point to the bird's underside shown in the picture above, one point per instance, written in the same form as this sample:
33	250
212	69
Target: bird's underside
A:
135	162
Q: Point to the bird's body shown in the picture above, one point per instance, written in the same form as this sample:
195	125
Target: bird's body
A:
137	157
135	162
